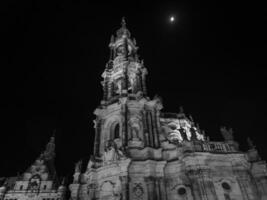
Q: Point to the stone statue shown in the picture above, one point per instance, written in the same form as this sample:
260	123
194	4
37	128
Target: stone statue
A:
112	153
181	109
193	133
227	134
183	133
49	152
78	166
250	143
91	163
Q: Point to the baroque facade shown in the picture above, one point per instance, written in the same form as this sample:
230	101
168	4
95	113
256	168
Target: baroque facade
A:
143	153
38	182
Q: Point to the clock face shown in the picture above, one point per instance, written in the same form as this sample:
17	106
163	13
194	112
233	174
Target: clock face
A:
34	183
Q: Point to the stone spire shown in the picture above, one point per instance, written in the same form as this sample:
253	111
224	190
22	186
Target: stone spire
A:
49	153
124	74
123	31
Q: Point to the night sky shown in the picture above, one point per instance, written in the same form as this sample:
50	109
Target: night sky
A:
211	61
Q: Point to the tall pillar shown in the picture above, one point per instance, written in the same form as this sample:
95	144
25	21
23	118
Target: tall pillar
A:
150	184
144	82
138	81
97	137
150	133
155	130
162	189
124	113
125	187
145	129
109	89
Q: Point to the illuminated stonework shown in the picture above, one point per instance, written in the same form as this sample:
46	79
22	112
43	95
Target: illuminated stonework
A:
143	153
39	182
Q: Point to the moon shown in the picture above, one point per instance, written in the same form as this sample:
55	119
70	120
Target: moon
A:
172	19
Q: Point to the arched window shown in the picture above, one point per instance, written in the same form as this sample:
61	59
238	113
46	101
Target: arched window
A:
117	131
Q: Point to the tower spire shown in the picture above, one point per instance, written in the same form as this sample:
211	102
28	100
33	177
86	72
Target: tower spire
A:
123	31
124	73
123	22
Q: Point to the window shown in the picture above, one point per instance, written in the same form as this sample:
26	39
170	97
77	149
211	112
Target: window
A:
226	186
21	187
181	191
117	131
44	187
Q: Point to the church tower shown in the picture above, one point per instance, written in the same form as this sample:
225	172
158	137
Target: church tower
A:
141	153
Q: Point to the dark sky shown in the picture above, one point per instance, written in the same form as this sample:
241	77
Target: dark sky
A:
211	61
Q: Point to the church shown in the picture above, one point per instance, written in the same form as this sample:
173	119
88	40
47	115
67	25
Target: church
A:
142	153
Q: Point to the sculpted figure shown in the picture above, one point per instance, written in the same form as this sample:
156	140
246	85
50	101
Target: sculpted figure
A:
90	163
250	143
78	166
227	134
49	152
112	153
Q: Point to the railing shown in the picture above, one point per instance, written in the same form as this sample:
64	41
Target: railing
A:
217	147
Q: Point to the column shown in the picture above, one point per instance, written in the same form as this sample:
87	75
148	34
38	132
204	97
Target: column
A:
138	81
145	136
97	137
162	189
150	132
144	82
156	135
125	187
124	113
150	183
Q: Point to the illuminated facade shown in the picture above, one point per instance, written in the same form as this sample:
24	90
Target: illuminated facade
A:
39	182
143	153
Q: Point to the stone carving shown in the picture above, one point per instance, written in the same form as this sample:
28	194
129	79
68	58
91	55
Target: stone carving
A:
78	166
91	163
49	152
112	189
112	153
138	191
250	143
135	128
34	183
227	134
